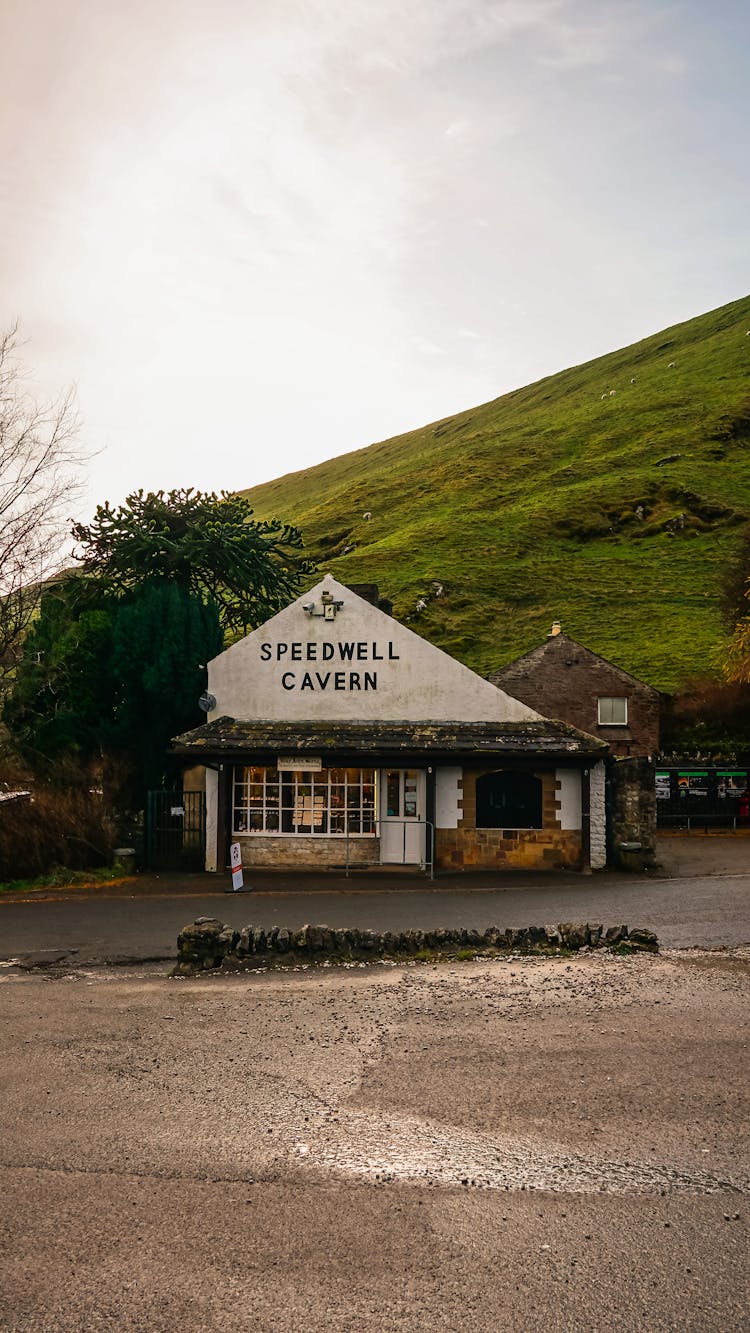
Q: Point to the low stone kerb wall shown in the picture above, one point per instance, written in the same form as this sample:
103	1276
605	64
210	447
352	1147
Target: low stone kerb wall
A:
209	943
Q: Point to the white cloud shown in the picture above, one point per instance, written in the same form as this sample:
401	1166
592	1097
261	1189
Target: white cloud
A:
263	222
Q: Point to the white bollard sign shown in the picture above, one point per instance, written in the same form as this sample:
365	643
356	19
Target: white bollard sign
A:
235	860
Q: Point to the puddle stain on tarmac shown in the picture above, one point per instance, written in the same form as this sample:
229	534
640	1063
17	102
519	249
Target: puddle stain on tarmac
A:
416	1151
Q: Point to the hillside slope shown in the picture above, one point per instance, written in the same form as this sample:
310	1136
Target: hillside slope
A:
610	496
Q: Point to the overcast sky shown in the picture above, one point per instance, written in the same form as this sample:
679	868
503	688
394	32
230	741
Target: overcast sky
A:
259	233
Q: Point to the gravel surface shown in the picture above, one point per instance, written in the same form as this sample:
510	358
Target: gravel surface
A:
523	1144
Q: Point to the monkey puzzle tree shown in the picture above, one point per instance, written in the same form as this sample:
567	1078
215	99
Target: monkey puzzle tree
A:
206	544
163	636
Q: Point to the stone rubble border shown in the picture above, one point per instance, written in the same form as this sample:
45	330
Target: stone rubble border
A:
208	944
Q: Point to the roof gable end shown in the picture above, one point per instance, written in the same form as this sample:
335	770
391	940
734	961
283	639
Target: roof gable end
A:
333	655
553	646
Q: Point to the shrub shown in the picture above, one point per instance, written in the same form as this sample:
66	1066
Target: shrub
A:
51	827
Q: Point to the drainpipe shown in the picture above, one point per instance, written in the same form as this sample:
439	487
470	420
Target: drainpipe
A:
430	830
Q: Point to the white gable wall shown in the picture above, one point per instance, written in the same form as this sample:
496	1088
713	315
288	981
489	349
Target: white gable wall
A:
362	666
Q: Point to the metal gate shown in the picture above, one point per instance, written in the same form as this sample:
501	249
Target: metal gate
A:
175	830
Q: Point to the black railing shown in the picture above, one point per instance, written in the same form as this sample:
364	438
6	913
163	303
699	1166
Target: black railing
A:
702	796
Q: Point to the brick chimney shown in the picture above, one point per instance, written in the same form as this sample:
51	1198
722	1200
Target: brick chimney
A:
369	592
556	629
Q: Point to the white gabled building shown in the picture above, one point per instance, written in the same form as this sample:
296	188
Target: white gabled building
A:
338	735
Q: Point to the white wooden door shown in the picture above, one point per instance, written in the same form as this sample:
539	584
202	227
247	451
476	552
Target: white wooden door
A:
402	828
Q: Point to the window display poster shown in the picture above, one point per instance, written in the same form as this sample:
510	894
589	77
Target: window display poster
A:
663	786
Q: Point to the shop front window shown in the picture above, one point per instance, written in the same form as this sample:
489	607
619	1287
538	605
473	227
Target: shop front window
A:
334	801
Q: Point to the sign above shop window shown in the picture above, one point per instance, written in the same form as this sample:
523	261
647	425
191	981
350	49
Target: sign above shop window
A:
295	763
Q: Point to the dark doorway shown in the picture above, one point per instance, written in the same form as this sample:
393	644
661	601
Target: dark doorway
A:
509	800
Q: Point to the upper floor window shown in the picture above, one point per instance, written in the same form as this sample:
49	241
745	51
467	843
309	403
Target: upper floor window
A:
613	711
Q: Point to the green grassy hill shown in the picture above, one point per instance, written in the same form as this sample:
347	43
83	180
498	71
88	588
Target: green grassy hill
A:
526	509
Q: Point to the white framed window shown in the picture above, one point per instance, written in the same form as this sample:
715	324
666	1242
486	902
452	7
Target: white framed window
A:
613	711
329	803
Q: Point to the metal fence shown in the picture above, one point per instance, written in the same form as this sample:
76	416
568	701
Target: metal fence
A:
427	864
702	796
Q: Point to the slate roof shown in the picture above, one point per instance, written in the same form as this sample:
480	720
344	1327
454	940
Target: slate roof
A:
227	738
554	646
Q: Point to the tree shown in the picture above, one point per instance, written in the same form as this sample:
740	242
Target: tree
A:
40	463
63	697
737	611
115	664
163	636
206	544
707	716
737	665
105	686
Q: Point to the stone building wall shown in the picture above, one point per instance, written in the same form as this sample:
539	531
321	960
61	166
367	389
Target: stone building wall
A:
466	847
507	849
598	818
631	801
563	680
265	851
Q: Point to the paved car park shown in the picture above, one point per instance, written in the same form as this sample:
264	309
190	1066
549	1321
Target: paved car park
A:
518	1143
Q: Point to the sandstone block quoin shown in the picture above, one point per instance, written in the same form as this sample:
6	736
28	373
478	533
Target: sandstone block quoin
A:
208	943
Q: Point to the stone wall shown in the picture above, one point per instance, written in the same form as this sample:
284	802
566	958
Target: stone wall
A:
466	847
507	849
314	853
631	801
598	817
207	943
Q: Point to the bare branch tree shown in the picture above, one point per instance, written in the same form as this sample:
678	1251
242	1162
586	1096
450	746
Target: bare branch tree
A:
40	462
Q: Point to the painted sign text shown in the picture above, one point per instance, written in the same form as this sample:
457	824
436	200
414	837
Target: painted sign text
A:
361	650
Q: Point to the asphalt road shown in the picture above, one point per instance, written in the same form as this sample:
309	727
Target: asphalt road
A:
528	1145
706	911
